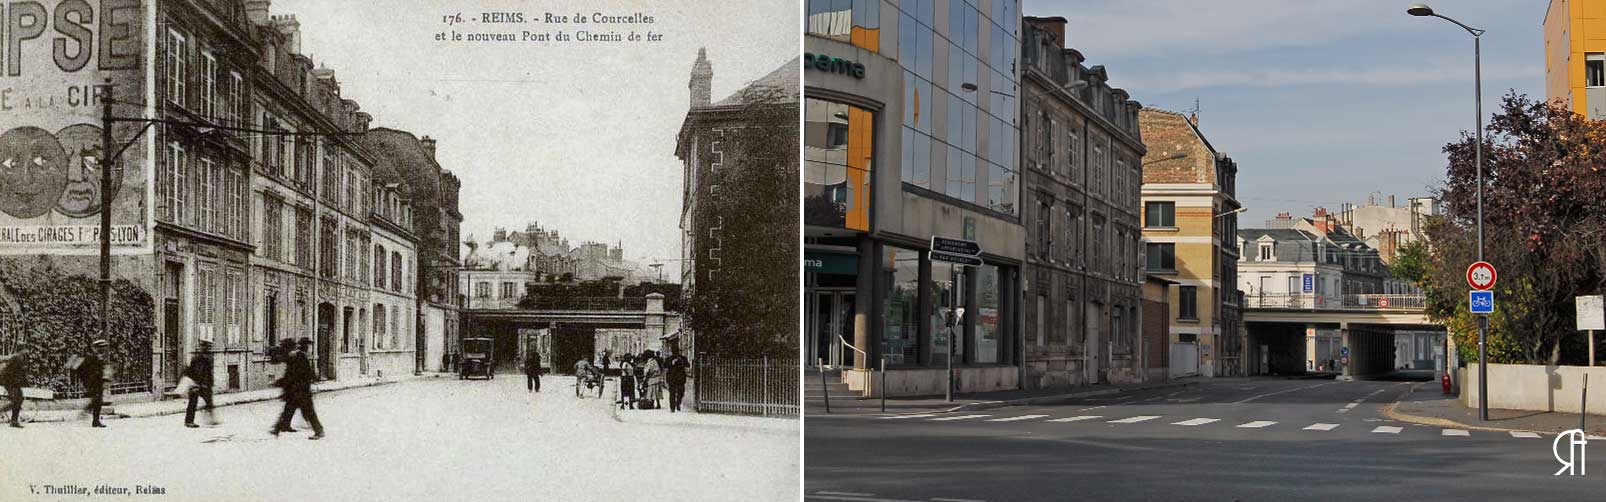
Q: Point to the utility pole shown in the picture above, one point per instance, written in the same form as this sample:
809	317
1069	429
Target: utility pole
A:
107	161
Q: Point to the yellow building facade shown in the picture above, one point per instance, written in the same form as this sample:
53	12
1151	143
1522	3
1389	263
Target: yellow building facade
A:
1575	55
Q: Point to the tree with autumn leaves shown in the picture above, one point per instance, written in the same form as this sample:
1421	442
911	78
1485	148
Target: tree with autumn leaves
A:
1544	213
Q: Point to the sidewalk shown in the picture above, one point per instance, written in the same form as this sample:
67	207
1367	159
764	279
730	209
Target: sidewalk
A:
984	400
688	418
1426	404
170	405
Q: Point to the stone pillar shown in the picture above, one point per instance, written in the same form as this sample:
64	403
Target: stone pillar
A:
1312	349
864	303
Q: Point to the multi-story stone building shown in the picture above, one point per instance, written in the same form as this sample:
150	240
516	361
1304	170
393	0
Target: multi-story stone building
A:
1387	226
436	223
1190	223
911	132
1081	184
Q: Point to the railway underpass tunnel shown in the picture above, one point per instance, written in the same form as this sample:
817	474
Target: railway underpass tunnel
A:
1345	349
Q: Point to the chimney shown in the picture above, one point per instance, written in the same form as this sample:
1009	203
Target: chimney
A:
1055	25
1391	202
257	11
1320	221
500	235
363	119
288	26
429	146
1193	118
702	78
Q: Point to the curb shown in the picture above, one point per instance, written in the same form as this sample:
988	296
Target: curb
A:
1390	410
792	424
74	416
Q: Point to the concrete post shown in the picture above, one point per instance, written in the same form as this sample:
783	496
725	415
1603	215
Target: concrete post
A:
1349	342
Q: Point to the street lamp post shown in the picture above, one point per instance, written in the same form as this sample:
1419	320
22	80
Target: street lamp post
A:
1422	10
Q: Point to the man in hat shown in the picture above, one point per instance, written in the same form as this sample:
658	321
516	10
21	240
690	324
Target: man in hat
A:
676	372
297	384
200	372
13	375
532	371
92	374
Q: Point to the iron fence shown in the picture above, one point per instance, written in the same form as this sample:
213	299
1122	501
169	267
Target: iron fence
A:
1346	302
764	387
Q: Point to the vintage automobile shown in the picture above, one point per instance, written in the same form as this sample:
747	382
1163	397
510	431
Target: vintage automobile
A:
478	359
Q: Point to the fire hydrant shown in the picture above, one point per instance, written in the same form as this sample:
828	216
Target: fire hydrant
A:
1444	381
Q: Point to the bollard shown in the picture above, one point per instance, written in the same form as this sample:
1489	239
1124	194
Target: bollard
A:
825	390
1583	403
883	389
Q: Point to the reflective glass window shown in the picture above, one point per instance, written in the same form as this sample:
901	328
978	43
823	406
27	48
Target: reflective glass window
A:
838	155
899	342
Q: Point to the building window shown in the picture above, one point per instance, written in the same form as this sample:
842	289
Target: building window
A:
304	247
1162	257
482	290
329	249
1045	230
379	326
1160	214
203	194
857	22
209	101
1188	302
900	340
1267	251
1595	69
508	290
838	154
236	97
177	67
272	233
379	267
396	271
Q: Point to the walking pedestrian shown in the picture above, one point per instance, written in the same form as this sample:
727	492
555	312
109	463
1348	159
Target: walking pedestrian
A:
655	379
297	385
13	375
200	374
92	374
607	358
532	371
678	366
627	383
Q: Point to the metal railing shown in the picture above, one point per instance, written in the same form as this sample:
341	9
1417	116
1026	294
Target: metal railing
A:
1339	302
764	387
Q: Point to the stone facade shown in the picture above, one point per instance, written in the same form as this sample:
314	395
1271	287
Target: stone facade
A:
1080	199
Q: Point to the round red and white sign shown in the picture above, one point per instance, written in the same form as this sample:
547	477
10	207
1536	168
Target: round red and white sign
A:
1383	302
1481	276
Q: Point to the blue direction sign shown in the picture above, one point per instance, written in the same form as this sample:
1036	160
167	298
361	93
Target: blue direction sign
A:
1481	302
1309	284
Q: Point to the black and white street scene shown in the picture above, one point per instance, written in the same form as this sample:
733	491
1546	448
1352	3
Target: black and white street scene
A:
399	250
1183	250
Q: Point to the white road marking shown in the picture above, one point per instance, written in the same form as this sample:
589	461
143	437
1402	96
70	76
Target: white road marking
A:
1258	424
1196	421
1268	394
935	499
1075	419
846	494
1012	419
1094	408
910	416
855	499
1387	429
961	417
1455	432
1134	420
1523	434
1351	405
1321	427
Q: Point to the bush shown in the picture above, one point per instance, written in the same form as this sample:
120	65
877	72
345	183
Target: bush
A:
60	315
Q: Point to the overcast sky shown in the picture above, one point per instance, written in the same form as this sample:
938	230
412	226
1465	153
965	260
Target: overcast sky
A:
578	137
1321	101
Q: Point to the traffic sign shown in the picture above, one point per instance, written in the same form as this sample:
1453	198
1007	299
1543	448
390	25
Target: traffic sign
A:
1308	283
1481	302
1343	360
1383	302
1481	276
973	261
1343	351
955	246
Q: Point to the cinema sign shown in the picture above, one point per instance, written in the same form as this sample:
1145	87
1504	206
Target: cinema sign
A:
54	56
830	64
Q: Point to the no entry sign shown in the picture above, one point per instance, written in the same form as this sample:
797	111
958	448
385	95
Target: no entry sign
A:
1481	276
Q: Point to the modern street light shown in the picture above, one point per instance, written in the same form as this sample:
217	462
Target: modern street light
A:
1422	10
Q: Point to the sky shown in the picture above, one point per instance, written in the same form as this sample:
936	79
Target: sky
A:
577	137
1320	102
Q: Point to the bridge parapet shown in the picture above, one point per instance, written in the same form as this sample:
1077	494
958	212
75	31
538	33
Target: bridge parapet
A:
1368	302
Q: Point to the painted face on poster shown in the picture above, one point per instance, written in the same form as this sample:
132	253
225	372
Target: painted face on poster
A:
33	172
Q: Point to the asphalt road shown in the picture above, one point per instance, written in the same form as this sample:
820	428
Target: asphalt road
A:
430	440
1231	439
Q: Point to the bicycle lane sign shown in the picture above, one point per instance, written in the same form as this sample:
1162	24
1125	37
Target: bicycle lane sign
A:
1481	302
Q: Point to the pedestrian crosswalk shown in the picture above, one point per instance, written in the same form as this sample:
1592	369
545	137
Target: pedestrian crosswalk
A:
1184	422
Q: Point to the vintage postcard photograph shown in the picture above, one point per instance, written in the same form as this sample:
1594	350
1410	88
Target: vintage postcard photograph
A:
399	250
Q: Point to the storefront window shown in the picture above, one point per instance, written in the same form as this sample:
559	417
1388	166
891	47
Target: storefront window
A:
899	341
987	312
838	152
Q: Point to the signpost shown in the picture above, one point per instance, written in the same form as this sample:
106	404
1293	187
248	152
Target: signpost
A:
959	252
1591	316
1481	276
